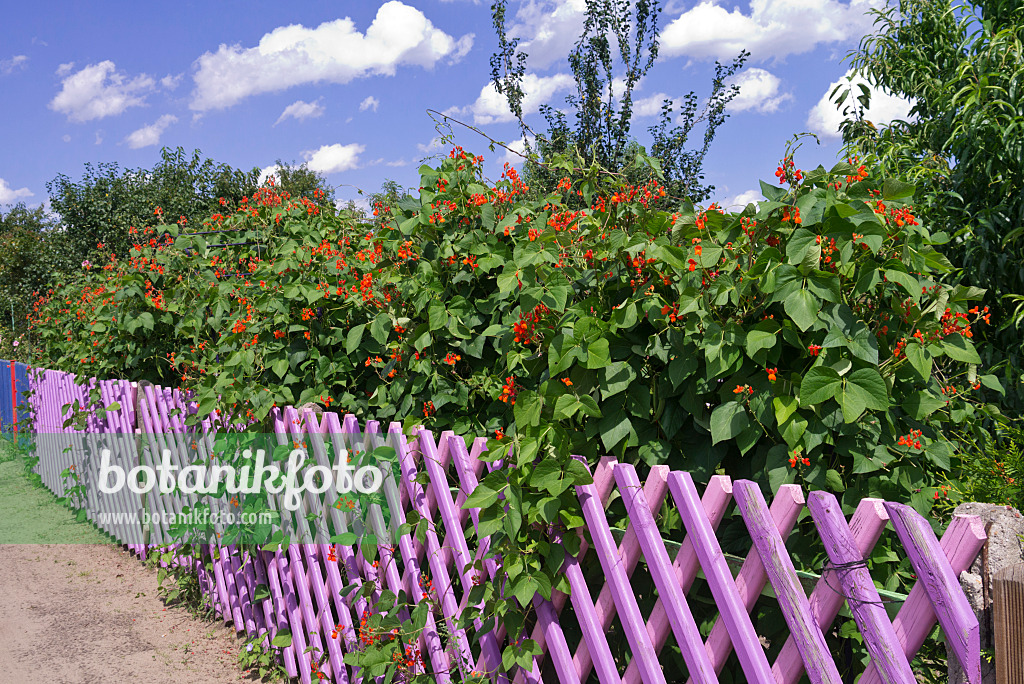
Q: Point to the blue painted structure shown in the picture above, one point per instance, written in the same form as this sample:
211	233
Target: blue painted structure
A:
6	403
12	397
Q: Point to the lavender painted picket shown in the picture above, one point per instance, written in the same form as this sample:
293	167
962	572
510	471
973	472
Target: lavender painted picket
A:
300	590
864	601
940	582
866	526
752	577
779	567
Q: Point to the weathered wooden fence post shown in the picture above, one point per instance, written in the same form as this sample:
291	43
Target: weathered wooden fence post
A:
1008	623
1004	526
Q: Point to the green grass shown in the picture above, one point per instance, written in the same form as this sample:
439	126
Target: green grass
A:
31	514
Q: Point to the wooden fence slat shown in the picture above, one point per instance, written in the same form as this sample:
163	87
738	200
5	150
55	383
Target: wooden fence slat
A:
162	440
300	585
467	465
349	558
649	538
295	625
130	502
491	655
752	577
441	459
319	587
224	602
821	668
293	432
432	645
961	543
604	482
450	439
586	615
115	432
561	657
717	496
273	606
249	572
330	428
655	490
232	591
298	428
241	585
860	592
866	526
954	613
625	601
467	468
719	578
438	571
280	608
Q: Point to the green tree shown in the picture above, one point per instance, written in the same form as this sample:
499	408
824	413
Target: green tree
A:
109	200
618	45
26	254
387	199
299	181
962	66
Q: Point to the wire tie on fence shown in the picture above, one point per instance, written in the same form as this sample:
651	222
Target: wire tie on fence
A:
852	565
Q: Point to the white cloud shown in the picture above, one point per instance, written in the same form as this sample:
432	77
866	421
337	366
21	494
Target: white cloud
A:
171	82
397	162
825	118
8	194
150	135
266	173
99	137
369	103
548	29
462	47
65	69
773	29
492	107
7	66
759	91
433	146
650	105
334	158
66	138
301	110
511	158
740	201
334	51
97	91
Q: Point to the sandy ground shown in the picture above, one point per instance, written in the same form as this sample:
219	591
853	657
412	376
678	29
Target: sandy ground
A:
76	609
85	614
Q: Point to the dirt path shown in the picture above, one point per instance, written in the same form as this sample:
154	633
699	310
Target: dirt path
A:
89	613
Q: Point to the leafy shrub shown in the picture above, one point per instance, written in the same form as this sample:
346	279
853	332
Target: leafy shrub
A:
991	469
815	327
261	660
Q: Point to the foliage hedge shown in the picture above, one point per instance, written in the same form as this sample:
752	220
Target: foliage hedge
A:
620	328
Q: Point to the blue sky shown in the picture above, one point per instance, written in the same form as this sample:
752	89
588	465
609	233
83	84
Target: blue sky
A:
345	86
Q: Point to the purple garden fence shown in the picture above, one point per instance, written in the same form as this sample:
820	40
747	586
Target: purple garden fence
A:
301	588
